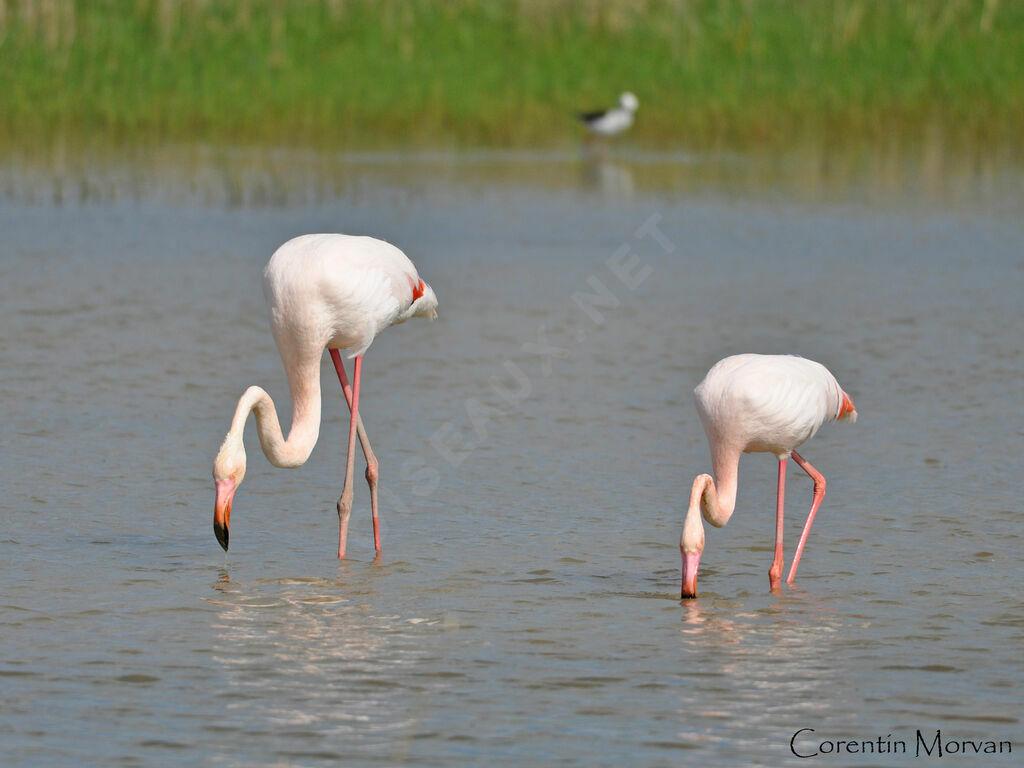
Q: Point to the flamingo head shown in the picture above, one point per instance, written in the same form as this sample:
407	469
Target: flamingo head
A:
691	545
228	471
629	102
424	302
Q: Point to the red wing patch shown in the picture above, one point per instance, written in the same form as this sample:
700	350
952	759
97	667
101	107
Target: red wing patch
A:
419	290
846	407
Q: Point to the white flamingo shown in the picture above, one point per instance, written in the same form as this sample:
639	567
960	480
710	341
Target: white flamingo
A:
748	403
325	291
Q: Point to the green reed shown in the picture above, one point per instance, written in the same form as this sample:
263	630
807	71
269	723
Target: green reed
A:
365	73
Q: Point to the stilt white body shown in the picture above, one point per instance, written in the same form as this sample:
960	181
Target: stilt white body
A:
614	121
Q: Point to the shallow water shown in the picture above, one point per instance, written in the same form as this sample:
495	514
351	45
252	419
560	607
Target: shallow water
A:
537	450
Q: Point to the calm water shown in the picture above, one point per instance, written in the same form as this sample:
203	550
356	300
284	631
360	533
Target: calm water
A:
537	451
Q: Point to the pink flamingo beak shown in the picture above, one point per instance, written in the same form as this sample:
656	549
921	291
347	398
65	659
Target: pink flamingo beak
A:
222	511
691	561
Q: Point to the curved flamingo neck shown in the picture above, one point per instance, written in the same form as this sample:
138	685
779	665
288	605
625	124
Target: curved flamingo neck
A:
305	429
713	498
707	502
718	499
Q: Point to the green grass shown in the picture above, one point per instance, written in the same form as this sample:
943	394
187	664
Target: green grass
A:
359	73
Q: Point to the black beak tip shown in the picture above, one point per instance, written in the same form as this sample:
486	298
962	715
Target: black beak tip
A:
222	536
683	596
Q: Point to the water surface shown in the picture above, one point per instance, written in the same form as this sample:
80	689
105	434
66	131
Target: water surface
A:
537	449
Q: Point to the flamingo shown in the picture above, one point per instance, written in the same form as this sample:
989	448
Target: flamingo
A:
325	291
758	403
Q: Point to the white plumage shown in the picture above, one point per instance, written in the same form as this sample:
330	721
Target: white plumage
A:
612	121
325	291
340	291
751	403
770	403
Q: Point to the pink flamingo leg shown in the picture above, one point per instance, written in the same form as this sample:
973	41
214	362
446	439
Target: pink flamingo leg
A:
345	502
372	465
819	494
775	572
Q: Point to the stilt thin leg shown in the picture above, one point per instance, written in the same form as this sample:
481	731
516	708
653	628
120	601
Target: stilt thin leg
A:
345	502
775	572
372	466
819	494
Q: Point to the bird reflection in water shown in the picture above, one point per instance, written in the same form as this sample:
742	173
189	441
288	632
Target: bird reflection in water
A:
610	179
313	655
751	648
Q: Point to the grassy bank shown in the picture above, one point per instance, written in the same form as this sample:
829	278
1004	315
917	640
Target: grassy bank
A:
358	73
